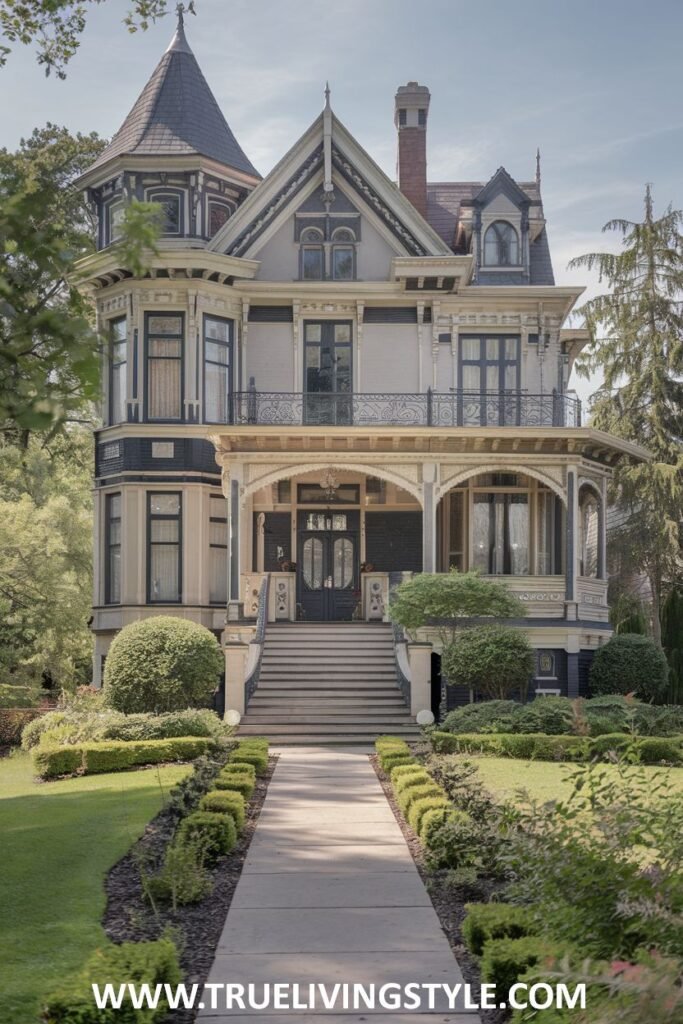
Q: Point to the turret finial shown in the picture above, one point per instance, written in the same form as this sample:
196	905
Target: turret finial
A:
538	167
327	95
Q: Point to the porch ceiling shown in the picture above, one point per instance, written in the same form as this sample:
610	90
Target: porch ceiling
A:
575	442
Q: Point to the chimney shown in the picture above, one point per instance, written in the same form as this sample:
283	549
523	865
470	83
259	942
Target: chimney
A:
410	117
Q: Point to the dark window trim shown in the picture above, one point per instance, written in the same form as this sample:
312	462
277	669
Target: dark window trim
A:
148	315
157	193
113	366
108	519
336	246
178	543
220	547
499	264
230	367
483	362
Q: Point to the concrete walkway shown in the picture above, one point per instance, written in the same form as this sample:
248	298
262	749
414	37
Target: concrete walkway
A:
330	893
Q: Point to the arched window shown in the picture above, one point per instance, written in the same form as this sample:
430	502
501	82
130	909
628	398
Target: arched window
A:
501	245
343	255
312	262
171	207
218	215
588	535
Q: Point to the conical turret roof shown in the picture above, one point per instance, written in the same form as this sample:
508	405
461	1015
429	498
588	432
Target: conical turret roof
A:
176	114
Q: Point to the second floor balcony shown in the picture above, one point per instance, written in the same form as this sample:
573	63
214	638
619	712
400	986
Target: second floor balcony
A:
426	409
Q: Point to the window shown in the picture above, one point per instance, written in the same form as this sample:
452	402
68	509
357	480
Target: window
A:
164	333
164	563
117	371
313	494
343	255
312	255
116	212
217	369
489	376
171	223
501	245
112	544
500	530
402	117
219	213
422	118
218	550
588	537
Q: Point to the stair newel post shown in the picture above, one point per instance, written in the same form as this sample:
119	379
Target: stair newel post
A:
420	661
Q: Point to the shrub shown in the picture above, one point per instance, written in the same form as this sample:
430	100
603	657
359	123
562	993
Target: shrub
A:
433	817
526	746
389	758
455	842
449	596
161	664
253	756
457	743
185	796
190	722
408	796
494	661
90	758
261	742
610	743
503	961
416	778
487	921
241	768
484	716
13	722
216	833
153	963
658	751
236	782
14	695
630	663
183	878
550	715
225	801
405	770
420	807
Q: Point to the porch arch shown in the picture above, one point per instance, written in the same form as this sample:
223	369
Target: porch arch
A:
296	469
472	471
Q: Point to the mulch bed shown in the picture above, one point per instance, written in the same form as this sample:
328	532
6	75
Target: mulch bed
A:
197	926
448	903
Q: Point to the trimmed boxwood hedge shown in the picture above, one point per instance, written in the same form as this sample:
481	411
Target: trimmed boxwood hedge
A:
250	755
503	961
539	747
486	921
425	805
116	755
151	963
225	801
215	832
236	782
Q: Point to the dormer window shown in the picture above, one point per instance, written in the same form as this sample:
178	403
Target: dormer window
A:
501	245
312	255
116	212
171	223
343	255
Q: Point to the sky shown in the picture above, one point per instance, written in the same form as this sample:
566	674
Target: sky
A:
595	84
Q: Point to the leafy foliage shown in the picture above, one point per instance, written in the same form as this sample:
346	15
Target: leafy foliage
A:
448	597
630	663
494	661
161	664
636	344
672	641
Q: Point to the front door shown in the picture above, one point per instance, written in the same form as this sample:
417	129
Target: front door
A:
328	568
327	372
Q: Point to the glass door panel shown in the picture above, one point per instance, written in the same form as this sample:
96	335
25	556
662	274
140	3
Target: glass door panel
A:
328	375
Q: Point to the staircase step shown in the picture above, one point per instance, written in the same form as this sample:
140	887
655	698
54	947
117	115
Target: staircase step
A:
302	729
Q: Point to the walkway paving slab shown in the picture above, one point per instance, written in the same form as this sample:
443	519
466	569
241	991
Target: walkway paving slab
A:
330	894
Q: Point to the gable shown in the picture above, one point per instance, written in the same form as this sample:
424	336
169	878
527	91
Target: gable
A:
502	187
327	152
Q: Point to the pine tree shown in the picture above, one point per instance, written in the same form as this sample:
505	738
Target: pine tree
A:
637	345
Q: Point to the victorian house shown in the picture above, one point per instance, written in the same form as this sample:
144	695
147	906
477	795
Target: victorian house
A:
326	380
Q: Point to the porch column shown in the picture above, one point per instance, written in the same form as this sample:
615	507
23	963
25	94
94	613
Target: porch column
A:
602	532
428	517
232	480
572	539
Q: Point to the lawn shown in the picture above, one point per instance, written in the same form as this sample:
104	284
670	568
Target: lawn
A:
58	840
544	780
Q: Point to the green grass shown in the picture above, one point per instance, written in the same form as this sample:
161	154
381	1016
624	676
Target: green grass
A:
58	841
544	780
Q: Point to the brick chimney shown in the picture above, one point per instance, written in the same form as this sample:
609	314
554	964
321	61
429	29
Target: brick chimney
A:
411	107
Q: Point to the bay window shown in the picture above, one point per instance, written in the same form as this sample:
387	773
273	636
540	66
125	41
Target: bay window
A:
116	412
164	547
164	345
112	546
217	369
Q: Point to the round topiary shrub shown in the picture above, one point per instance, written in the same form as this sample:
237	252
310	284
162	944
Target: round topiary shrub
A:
494	661
161	664
630	663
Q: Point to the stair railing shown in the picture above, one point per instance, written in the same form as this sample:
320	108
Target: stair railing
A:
258	642
401	663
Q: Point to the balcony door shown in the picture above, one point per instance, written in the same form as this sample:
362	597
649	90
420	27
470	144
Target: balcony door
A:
327	566
489	382
328	375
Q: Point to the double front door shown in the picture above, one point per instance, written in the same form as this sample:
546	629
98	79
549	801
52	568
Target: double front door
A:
328	567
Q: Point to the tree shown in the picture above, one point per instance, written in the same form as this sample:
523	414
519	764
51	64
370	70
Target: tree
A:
445	598
46	560
636	343
672	639
49	351
56	25
161	664
494	661
630	663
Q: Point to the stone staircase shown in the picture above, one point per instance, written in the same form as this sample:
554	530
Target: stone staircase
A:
327	683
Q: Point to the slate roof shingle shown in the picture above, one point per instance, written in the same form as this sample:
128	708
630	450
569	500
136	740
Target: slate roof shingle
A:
177	114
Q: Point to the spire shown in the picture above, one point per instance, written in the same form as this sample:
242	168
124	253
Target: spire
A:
327	95
328	188
538	167
176	114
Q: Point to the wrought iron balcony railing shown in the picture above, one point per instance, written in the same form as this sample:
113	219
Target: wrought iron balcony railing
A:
428	409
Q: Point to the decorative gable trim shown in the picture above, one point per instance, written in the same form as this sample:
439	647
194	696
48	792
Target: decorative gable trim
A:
502	182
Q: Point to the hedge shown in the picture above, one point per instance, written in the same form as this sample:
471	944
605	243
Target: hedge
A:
152	963
539	747
400	771
486	921
416	778
250	755
241	768
503	961
237	782
223	801
409	796
215	832
425	805
113	756
12	722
